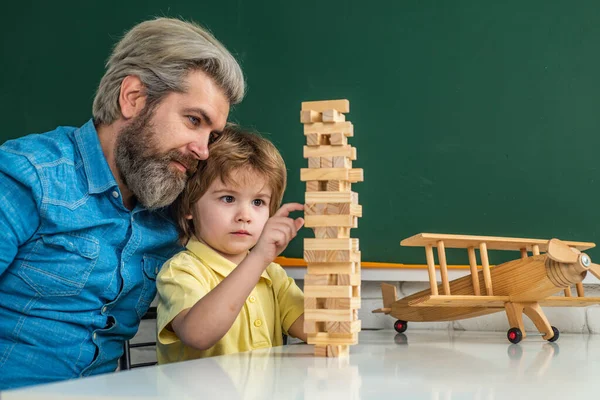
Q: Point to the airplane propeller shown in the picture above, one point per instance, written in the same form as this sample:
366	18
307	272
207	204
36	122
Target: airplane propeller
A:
560	252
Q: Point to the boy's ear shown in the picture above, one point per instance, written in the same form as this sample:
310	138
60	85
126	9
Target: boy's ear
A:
188	216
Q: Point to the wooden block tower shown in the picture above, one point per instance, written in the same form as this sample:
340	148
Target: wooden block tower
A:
332	283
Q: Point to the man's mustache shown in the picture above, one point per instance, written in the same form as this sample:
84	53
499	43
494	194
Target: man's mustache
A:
189	162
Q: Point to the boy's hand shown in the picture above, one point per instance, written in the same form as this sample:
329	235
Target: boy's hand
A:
279	230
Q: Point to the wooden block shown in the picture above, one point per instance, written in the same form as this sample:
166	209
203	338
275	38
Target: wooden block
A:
320	279
331	244
332	116
342	162
356	210
326	162
332	232
343	327
314	162
332	268
313	326
338	139
316	256
347	279
332	174
336	186
329	315
320	351
342	105
333	209
348	303
310	116
345	128
330	151
313	221
331	197
310	302
312	186
316	139
330	291
338	350
323	338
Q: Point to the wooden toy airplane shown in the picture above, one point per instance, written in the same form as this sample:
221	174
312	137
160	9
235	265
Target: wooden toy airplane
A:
518	287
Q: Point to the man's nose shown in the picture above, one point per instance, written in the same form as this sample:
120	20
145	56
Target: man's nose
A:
199	147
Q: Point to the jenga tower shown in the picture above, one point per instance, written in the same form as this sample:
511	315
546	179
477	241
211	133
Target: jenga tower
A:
332	283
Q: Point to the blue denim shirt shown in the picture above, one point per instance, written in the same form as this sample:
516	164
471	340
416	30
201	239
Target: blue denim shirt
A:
77	268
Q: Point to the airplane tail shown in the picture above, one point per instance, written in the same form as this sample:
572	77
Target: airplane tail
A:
389	294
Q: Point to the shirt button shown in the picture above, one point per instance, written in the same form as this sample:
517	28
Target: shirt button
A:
103	309
115	194
94	335
252	299
258	323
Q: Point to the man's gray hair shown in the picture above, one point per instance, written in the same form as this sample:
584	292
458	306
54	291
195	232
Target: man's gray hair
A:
161	53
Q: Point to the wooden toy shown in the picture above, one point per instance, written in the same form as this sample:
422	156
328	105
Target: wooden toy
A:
517	287
332	282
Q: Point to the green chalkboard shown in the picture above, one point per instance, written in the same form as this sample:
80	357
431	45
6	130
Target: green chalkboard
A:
473	117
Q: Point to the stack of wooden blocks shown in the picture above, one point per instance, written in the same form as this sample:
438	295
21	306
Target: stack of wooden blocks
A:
332	283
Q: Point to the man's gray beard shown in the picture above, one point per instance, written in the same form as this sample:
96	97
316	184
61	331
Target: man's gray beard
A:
142	170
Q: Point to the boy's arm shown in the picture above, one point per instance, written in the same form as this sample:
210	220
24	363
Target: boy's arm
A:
297	329
210	318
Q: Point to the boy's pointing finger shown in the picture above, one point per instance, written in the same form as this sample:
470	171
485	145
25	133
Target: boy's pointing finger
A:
287	208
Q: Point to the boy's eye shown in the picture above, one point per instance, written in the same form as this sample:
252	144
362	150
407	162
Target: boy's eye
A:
258	202
227	199
213	137
195	121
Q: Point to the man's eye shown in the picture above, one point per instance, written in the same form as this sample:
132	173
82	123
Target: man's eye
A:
195	121
227	199
258	202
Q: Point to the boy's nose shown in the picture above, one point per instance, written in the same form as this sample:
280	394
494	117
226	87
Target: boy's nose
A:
243	214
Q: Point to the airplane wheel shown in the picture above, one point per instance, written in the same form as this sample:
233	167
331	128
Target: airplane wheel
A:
556	334
400	326
514	335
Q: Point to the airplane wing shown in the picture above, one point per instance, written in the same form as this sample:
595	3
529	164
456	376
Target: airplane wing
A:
459	301
559	301
492	242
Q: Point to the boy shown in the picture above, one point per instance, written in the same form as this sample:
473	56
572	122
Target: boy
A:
224	294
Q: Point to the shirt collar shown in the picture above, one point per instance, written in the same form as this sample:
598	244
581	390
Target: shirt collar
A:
99	176
215	261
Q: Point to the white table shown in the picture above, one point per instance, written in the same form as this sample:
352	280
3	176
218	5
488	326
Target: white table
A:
420	364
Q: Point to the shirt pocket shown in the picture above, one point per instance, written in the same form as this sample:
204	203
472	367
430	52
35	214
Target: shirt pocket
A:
60	265
151	265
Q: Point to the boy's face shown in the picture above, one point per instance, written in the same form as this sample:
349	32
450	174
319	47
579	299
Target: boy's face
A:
230	217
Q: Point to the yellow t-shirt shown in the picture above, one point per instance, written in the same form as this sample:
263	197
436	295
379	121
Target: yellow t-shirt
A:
271	308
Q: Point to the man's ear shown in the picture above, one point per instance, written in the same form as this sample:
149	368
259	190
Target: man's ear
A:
132	97
189	216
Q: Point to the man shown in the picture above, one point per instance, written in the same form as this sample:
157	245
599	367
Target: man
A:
83	230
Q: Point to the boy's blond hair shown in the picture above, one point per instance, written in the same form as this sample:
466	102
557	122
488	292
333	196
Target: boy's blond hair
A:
235	149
